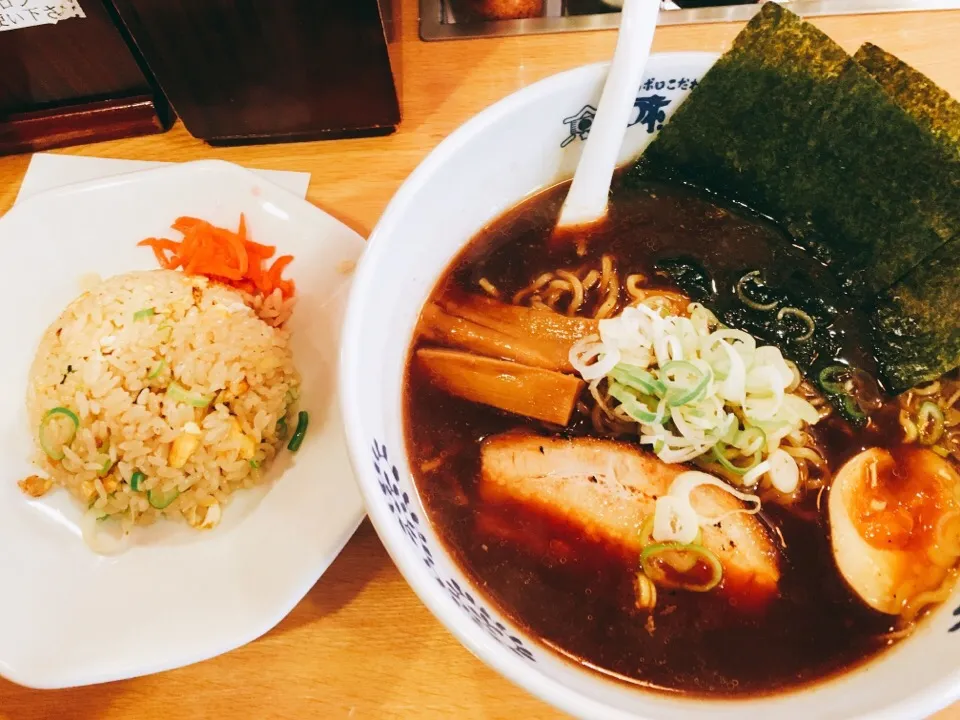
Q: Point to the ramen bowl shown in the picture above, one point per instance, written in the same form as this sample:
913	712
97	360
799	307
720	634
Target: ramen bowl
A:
529	141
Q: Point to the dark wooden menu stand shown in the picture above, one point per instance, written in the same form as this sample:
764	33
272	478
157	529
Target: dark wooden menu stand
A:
251	71
81	123
74	82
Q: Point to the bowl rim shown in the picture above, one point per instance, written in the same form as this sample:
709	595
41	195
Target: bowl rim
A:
931	699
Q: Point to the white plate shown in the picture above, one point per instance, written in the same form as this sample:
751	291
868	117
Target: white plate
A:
71	617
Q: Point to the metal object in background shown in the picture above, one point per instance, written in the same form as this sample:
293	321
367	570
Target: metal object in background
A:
452	19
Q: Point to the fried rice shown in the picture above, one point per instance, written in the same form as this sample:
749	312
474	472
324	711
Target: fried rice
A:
156	394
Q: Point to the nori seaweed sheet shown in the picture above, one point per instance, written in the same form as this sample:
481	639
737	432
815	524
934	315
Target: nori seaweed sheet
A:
914	92
917	322
790	286
788	124
859	160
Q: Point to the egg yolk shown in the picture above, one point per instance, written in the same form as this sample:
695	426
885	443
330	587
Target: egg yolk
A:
902	496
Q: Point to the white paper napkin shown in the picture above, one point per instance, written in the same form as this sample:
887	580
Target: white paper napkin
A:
47	171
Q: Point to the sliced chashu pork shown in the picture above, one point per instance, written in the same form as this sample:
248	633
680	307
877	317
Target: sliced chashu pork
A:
607	489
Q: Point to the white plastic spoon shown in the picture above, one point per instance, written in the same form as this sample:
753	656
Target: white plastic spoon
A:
586	202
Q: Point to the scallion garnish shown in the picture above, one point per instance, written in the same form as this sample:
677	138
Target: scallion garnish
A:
691	383
685	382
837	382
636	407
303	419
683	566
162	498
751	440
53	446
749	302
719	454
638	379
801	315
852	409
107	461
646	532
157	370
177	392
929	422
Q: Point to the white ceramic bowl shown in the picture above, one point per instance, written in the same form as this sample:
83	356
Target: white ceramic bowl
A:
523	143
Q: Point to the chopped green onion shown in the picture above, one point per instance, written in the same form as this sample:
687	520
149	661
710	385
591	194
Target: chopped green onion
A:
753	304
177	392
55	451
107	464
255	464
161	499
687	390
834	378
807	320
157	370
929	423
837	381
167	329
635	407
720	456
852	409
135	480
143	314
282	428
303	419
752	439
638	379
693	395
646	532
664	562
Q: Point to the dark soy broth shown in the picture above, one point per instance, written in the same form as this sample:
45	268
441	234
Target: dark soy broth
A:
575	594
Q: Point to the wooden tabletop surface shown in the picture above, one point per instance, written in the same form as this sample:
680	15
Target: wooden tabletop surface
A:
361	645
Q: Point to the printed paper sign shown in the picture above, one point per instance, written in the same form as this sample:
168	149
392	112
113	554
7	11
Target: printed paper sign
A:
18	14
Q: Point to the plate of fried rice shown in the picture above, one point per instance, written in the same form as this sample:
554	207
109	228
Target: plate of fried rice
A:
175	477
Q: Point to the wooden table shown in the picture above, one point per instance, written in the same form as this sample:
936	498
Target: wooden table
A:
361	645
